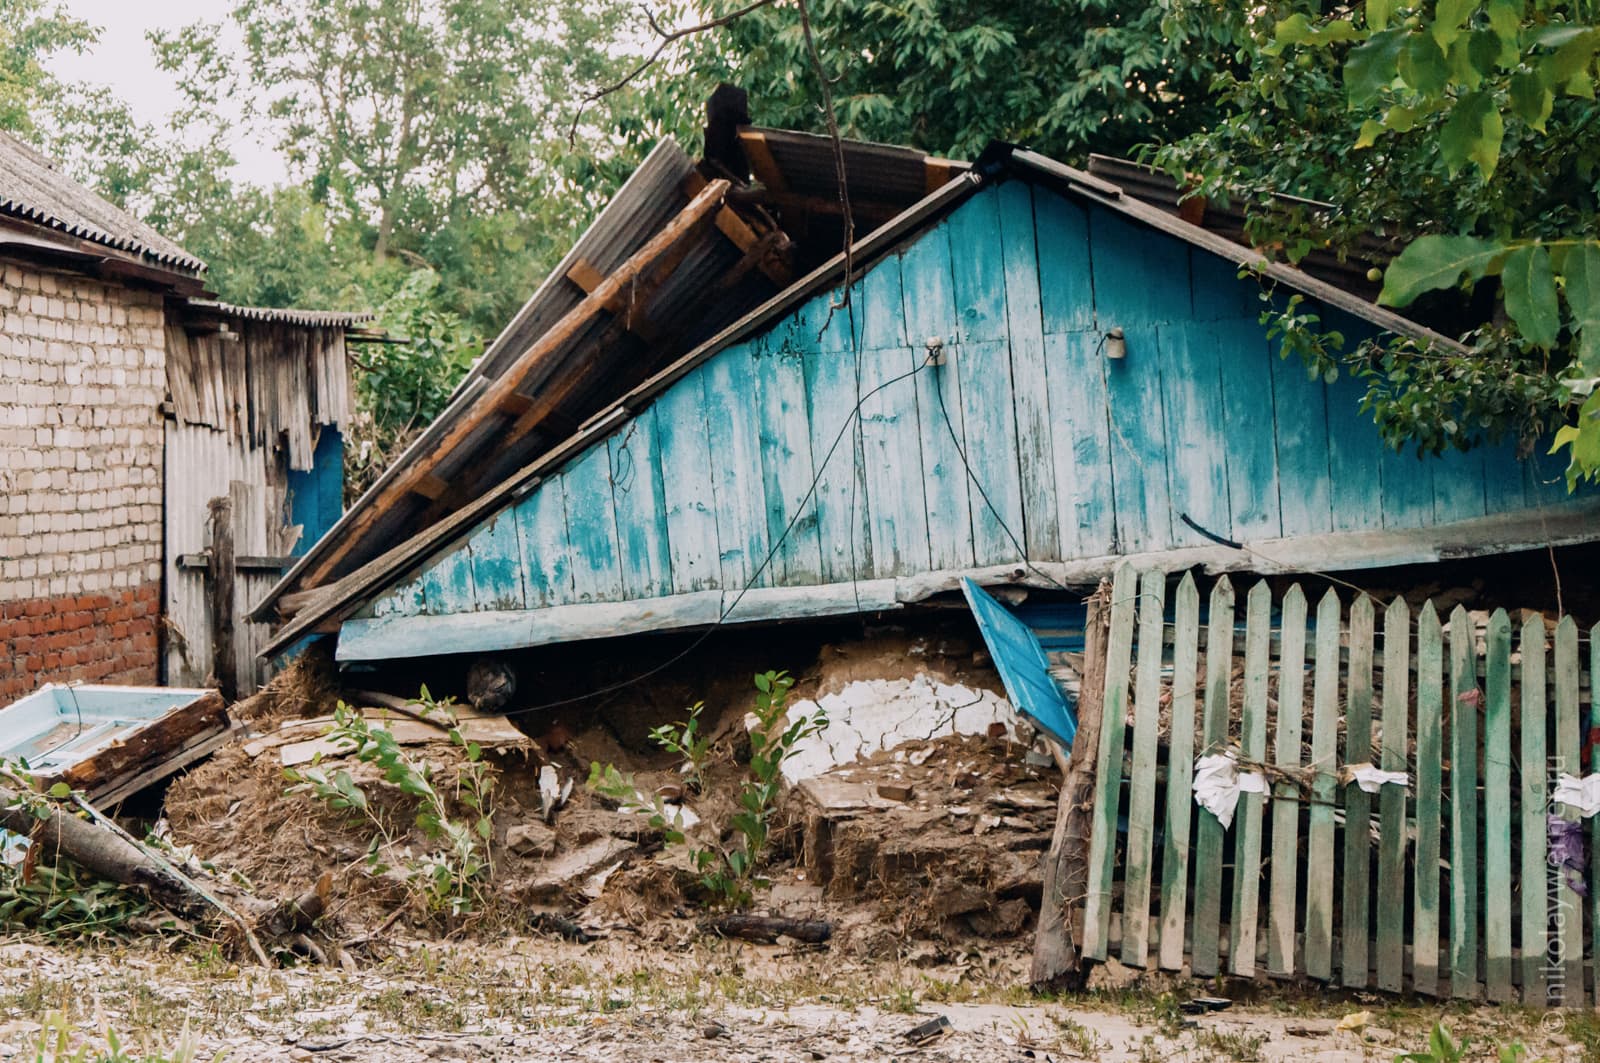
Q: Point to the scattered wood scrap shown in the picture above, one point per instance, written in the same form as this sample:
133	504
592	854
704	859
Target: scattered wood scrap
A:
769	928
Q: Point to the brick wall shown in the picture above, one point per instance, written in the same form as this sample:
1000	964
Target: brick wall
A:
82	376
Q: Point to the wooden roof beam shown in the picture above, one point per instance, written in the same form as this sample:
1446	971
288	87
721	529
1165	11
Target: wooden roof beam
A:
698	210
762	164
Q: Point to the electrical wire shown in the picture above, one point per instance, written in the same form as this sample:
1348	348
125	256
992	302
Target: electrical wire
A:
851	422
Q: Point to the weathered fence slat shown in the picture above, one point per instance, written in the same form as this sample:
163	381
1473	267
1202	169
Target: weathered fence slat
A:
1214	737
1516	708
1324	789
1253	749
1594	821
1356	924
1497	955
1532	793
1142	781
1464	698
1392	799
1108	777
1568	758
1180	775
1430	752
1286	804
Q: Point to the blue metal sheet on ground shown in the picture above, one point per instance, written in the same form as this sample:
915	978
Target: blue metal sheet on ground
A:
1022	665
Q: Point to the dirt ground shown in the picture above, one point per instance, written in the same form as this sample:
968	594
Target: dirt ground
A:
538	999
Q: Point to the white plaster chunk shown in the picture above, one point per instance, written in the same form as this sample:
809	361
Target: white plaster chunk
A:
876	715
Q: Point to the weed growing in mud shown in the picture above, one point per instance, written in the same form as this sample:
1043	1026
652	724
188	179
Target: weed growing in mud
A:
688	741
1231	1044
449	879
53	1044
1442	1048
728	872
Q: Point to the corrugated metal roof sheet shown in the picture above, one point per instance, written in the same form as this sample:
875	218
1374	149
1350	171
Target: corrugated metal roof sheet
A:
34	190
284	315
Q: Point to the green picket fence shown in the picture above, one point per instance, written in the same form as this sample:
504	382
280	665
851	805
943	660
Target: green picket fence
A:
1441	886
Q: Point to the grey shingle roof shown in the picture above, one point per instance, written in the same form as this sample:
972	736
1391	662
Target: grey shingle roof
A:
33	189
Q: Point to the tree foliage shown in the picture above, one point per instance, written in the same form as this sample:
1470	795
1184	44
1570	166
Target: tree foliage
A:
1064	76
1464	132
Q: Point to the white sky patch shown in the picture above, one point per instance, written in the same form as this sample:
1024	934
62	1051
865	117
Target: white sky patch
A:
124	61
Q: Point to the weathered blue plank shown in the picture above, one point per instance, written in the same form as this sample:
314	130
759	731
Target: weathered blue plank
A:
843	508
496	554
592	526
316	498
891	444
1300	409
930	311
404	599
1066	290
732	419
786	466
1081	448
447	583
987	414
927	288
636	490
1141	277
1458	487
1407	487
1192	379
1505	477
1252	452
1355	456
684	444
828	320
1139	444
1030	390
1218	292
882	306
977	264
546	552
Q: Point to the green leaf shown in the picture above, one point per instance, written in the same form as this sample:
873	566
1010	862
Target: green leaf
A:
1371	66
1378	13
1432	262
1582	275
1530	99
60	790
1401	119
1371	130
1472	133
1422	64
1447	19
1530	292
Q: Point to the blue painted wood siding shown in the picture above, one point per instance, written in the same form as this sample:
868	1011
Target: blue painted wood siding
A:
316	498
751	470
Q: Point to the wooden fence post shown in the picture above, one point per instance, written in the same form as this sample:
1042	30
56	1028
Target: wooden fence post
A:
1056	959
219	596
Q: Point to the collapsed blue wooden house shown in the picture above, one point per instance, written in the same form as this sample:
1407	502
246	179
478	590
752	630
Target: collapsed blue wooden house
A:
1023	374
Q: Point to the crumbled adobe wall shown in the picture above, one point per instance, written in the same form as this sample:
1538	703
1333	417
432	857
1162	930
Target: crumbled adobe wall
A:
82	376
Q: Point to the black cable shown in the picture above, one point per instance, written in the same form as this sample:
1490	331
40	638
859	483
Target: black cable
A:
1022	554
754	577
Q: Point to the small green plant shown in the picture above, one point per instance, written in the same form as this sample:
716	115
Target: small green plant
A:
1441	1049
728	872
53	1044
687	741
1232	1044
451	877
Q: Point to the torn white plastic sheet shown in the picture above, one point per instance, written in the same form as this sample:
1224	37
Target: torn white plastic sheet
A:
1218	782
1370	777
1580	794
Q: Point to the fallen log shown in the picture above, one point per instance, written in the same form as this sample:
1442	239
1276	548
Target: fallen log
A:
769	928
103	849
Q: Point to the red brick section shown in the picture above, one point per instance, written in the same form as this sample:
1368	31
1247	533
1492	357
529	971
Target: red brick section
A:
99	638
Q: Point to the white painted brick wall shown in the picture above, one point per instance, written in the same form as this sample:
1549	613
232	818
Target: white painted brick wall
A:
82	376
